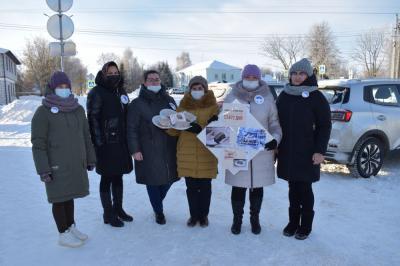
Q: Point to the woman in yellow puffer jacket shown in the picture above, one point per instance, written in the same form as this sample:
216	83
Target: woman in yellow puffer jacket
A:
195	162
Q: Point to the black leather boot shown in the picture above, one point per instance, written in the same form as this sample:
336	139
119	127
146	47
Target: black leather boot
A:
237	208
117	204
305	229
109	216
255	207
294	222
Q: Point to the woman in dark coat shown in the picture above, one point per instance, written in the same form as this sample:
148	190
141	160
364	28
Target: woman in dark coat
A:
107	105
304	115
63	152
153	150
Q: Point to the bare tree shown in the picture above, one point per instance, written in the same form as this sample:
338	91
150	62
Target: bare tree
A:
132	71
370	52
183	61
322	49
77	72
107	57
285	50
38	62
166	76
39	66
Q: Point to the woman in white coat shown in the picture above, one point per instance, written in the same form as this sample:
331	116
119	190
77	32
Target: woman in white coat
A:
255	92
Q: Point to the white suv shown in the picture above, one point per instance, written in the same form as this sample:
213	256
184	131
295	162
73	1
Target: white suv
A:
365	122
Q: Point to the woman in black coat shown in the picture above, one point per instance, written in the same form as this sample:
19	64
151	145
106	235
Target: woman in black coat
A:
107	105
304	115
153	150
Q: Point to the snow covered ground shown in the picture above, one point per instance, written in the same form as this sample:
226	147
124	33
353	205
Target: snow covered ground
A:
357	220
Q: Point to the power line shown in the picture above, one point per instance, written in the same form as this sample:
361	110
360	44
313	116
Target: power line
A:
206	11
212	37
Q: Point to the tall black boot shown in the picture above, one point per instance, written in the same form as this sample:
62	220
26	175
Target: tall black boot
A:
294	222
117	204
304	231
237	208
109	216
255	207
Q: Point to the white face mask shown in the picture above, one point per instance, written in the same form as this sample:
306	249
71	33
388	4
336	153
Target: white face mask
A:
154	89
63	92
251	84
197	94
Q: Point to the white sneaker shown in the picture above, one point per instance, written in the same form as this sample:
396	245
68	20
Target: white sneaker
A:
67	239
78	234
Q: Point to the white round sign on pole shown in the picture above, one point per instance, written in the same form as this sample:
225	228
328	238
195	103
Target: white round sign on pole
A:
60	5
60	33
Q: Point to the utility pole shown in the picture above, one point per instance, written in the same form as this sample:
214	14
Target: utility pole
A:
395	64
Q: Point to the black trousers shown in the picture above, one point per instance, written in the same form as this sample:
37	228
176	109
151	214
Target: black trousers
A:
198	191
239	194
107	181
301	196
63	213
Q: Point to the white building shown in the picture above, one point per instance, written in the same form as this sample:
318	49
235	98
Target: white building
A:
213	71
8	76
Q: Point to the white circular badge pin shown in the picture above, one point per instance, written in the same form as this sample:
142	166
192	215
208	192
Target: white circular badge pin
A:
124	99
258	99
173	106
305	94
54	110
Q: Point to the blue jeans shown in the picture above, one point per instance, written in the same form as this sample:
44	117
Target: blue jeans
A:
157	195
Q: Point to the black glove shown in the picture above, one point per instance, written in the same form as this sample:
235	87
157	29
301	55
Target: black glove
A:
271	145
46	178
195	128
212	119
90	167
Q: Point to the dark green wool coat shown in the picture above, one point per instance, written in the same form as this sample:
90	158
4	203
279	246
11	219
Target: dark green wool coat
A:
61	145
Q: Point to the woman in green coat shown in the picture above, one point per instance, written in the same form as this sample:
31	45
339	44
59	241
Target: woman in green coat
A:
63	152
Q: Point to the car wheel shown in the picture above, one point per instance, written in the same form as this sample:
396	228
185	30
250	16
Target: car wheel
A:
369	155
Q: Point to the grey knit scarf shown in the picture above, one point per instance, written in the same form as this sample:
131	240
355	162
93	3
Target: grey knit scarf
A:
63	104
298	90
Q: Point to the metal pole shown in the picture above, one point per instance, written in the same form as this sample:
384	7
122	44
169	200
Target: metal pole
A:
397	48
61	35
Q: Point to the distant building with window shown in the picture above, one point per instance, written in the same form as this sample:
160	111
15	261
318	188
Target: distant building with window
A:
8	76
213	71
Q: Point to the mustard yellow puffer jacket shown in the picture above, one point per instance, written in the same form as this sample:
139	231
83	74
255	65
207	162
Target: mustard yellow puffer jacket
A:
193	158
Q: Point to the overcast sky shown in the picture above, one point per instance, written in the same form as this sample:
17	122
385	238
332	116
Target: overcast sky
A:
228	31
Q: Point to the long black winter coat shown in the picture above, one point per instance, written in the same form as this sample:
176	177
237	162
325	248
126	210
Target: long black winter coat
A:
107	112
159	149
306	127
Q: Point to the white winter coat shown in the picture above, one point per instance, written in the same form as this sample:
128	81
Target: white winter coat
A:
261	169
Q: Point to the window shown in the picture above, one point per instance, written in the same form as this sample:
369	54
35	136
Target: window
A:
224	76
335	94
216	76
232	77
387	95
8	93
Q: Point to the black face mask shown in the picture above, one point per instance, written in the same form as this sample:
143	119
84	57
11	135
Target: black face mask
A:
112	81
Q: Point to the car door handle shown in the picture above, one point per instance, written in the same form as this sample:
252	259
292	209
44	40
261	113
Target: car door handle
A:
381	117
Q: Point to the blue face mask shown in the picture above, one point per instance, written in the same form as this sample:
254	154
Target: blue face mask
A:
154	89
63	92
197	95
